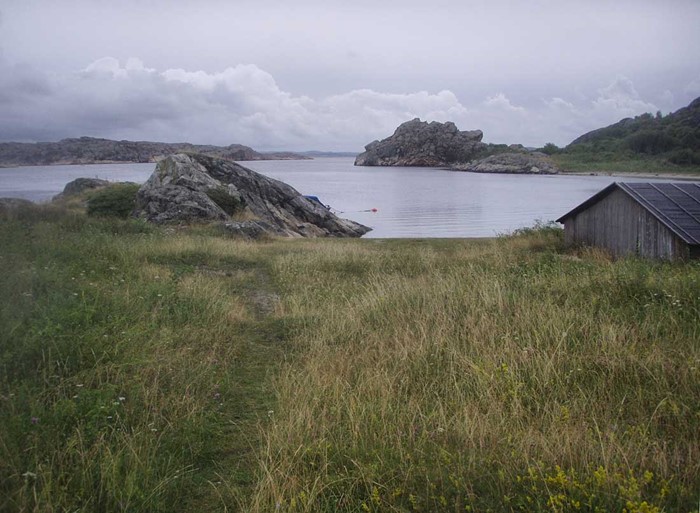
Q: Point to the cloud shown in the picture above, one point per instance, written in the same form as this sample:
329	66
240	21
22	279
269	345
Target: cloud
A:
621	97
693	88
244	104
500	102
667	98
241	104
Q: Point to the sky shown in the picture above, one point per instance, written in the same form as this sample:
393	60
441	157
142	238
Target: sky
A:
335	75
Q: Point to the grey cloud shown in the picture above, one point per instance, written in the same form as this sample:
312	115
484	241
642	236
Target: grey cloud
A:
244	104
22	82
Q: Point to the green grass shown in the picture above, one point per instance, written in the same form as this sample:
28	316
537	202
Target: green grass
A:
132	364
485	377
582	162
148	369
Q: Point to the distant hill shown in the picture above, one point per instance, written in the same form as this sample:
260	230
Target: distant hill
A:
674	138
90	150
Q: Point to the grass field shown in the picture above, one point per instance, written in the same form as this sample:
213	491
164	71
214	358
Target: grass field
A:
164	369
580	162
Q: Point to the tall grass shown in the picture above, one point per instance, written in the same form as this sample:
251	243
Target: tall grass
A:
123	357
158	369
612	163
485	378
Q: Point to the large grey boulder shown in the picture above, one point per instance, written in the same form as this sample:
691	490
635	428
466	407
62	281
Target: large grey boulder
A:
419	143
513	163
191	187
250	229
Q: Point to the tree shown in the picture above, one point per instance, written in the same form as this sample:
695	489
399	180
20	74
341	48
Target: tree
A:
551	149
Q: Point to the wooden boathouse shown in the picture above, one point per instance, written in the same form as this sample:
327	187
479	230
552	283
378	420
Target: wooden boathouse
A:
651	220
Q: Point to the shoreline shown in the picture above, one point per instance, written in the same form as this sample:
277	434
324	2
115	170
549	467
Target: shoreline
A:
627	174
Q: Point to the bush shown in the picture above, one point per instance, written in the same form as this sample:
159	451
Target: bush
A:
116	200
228	203
650	142
684	156
550	149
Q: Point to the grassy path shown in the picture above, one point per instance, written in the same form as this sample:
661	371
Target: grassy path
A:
134	365
229	476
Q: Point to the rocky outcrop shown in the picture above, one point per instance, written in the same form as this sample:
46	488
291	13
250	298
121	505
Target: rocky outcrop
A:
250	229
516	162
7	204
91	150
80	185
190	187
419	143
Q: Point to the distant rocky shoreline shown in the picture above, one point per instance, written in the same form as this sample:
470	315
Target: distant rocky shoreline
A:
90	150
512	162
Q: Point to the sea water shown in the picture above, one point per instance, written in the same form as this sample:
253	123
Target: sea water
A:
394	201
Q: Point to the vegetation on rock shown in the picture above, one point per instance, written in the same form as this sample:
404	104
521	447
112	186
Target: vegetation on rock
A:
228	203
116	200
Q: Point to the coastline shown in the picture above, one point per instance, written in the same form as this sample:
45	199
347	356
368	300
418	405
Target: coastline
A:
641	174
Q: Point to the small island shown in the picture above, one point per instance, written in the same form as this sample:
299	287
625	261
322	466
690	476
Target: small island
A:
423	144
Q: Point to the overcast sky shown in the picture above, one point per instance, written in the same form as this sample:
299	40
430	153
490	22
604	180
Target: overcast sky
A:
335	75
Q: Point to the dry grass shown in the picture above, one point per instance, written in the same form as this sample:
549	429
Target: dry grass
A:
163	370
444	377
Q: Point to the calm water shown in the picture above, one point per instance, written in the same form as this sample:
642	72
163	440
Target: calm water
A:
41	183
411	202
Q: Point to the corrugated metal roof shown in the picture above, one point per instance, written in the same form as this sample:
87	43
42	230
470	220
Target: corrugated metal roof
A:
676	205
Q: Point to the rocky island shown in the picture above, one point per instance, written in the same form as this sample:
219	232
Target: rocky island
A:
91	150
419	143
423	144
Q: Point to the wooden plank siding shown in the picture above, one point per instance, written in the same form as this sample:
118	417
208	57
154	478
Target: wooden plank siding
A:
621	225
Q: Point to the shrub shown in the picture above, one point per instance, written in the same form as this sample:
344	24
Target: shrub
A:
684	156
228	203
550	149
653	143
116	200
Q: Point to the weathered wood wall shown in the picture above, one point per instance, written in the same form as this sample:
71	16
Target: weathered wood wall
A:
622	226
